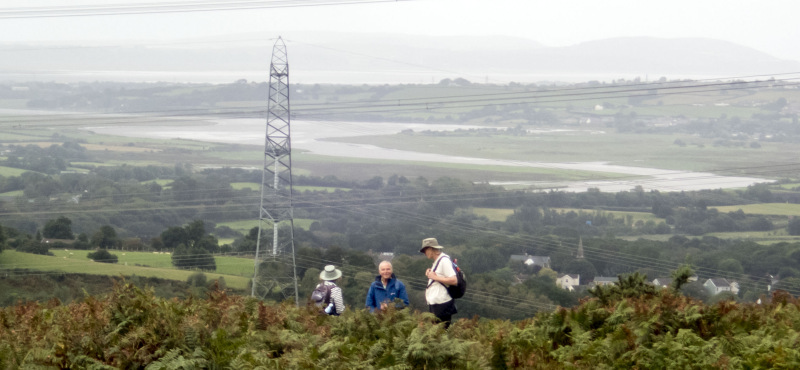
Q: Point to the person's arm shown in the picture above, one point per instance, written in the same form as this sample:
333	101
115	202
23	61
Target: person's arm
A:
338	301
401	292
371	298
443	278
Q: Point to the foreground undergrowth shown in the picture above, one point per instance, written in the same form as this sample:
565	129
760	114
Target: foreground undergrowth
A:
629	325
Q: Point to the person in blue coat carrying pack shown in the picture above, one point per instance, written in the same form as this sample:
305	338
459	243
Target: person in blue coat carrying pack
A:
385	289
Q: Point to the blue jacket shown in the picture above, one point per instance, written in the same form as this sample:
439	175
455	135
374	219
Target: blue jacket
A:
377	294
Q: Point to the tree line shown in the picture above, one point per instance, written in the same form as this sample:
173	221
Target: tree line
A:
125	207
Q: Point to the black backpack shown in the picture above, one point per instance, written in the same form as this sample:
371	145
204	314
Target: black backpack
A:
458	290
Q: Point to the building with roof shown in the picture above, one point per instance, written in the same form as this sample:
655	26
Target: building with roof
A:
715	286
568	281
603	280
662	282
528	260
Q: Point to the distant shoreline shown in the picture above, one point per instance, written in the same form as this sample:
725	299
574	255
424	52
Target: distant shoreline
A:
324	77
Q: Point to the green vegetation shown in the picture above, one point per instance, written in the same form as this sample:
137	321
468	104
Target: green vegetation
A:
139	266
10	171
627	325
319	188
13	193
244	226
245	185
137	196
493	214
773	209
630	217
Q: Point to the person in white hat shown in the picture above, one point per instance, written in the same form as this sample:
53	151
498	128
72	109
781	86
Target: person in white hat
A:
440	275
327	293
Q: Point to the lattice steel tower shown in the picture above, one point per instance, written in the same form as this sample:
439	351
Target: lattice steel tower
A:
271	273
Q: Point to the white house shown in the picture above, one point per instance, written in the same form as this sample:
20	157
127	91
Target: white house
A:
662	282
528	260
718	285
568	281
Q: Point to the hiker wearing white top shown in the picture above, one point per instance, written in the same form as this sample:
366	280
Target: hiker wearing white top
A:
334	302
440	275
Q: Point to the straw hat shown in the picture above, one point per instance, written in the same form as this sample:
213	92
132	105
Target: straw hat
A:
429	243
330	273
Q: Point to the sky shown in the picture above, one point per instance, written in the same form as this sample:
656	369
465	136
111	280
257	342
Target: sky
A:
770	26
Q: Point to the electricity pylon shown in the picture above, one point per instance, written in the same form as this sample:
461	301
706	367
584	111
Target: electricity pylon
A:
276	189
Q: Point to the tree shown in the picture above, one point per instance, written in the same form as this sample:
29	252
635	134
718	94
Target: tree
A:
193	257
481	260
208	243
248	242
174	236
102	255
198	279
731	266
105	238
794	226
60	228
582	267
195	231
34	246
192	235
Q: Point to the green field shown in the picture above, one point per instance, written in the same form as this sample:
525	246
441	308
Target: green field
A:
500	214
234	270
364	169
245	185
635	216
780	234
11	171
223	241
297	188
789	186
493	214
162	182
318	188
638	150
93	164
244	226
15	193
773	209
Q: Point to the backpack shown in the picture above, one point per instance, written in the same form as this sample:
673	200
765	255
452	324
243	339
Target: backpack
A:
321	296
458	290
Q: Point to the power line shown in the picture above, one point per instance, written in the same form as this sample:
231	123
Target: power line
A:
426	104
167	7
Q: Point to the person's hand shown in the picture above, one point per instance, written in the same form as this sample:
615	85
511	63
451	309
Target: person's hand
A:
384	306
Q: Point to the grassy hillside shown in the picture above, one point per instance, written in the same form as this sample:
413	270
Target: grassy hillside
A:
772	209
233	270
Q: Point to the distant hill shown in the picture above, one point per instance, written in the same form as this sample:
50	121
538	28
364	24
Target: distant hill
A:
382	58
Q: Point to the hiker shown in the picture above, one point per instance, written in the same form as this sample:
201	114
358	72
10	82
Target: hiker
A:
440	275
385	289
327	294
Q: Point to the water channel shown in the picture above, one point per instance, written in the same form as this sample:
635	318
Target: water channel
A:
310	135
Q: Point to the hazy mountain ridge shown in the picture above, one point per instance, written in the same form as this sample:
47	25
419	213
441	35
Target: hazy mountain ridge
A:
403	54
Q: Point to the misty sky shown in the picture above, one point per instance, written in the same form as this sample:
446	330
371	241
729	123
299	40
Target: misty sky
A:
769	26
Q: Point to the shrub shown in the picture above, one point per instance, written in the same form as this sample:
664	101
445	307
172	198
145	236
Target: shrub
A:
102	255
